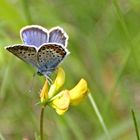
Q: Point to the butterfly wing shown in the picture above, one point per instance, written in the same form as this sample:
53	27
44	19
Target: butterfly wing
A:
49	57
57	35
34	35
25	53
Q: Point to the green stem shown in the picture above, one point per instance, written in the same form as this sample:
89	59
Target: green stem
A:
41	122
135	123
91	99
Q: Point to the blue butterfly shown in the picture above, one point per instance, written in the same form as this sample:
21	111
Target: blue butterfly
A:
43	49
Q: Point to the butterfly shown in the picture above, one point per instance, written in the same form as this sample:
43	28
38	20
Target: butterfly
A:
43	49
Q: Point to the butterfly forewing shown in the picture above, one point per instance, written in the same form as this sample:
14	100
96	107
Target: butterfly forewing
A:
34	35
25	53
49	56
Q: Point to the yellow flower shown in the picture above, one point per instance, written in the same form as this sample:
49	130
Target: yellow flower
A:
78	93
60	101
44	93
58	83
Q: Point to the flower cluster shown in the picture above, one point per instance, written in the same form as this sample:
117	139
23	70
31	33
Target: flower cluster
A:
61	100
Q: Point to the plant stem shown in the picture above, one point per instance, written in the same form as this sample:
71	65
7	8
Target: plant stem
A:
91	99
135	123
41	122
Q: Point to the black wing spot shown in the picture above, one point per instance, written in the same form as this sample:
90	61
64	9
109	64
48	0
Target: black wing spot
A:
43	48
53	55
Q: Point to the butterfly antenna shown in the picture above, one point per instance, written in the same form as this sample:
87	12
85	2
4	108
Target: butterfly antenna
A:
32	83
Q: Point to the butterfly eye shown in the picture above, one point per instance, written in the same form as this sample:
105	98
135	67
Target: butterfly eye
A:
39	73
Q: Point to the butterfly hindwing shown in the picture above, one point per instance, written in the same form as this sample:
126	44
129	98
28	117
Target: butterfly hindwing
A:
57	35
25	53
34	35
49	56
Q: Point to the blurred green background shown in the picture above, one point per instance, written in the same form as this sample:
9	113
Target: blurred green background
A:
104	41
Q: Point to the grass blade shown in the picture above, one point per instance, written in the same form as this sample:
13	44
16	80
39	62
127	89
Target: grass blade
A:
91	99
135	123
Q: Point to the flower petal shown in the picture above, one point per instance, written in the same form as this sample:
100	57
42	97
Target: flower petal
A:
61	102
78	93
44	92
58	83
60	111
